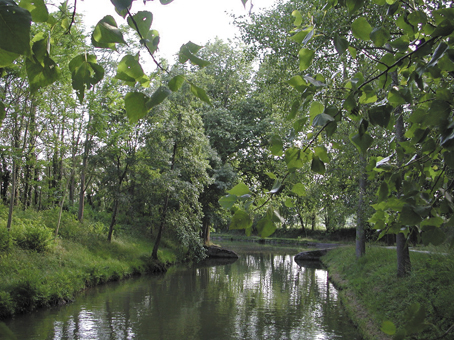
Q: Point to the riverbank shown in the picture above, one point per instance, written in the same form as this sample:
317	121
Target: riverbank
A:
32	279
372	293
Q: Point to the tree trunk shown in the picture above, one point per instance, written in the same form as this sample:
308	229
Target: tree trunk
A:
154	254
313	218
403	253
206	231
12	198
80	215
360	229
114	219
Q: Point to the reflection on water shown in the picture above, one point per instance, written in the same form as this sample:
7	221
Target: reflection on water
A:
262	295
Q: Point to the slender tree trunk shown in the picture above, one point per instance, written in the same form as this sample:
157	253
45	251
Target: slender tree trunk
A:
154	254
206	230
12	198
80	215
403	253
360	229
117	199
114	218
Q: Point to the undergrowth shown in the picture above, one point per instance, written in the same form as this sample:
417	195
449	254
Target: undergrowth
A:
373	281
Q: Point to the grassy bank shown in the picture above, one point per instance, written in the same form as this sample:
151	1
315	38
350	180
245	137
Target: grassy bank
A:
38	269
31	279
373	294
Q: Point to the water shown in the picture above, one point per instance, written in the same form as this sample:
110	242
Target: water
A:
262	295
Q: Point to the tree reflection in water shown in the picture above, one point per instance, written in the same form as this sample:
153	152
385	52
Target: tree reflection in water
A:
263	295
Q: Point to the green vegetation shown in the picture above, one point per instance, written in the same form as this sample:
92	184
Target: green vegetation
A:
38	270
421	303
330	114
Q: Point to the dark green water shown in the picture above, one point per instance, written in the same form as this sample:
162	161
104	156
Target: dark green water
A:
262	295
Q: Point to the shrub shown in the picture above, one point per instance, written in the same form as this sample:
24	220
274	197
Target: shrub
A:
70	227
6	240
6	305
33	236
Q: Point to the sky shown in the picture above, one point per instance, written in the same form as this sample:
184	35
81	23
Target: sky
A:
180	21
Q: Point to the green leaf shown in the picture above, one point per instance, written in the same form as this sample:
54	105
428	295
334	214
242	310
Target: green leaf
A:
41	74
449	159
432	221
362	142
277	187
409	215
158	97
143	20
121	5
7	58
299	189
317	165
354	5
187	52
276	145
266	227
415	316
106	33
380	115
228	201
322	119
239	190
438	53
438	113
383	191
298	18
240	220
322	153
298	125
294	110
271	175
303	36
130	70
298	83
37	9
135	104
85	73
316	109
200	93
417	17
305	56
294	158
152	40
14	27
434	235
176	82
401	43
388	327
289	203
361	29
395	98
340	43
380	36
444	29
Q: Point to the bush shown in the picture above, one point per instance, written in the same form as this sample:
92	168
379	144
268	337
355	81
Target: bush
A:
6	240
70	227
33	236
6	305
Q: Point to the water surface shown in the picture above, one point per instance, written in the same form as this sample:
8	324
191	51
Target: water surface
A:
262	295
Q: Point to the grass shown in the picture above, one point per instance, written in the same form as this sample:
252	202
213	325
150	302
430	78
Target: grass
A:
373	294
44	271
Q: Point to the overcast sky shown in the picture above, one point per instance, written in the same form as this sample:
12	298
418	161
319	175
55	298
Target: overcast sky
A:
180	21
